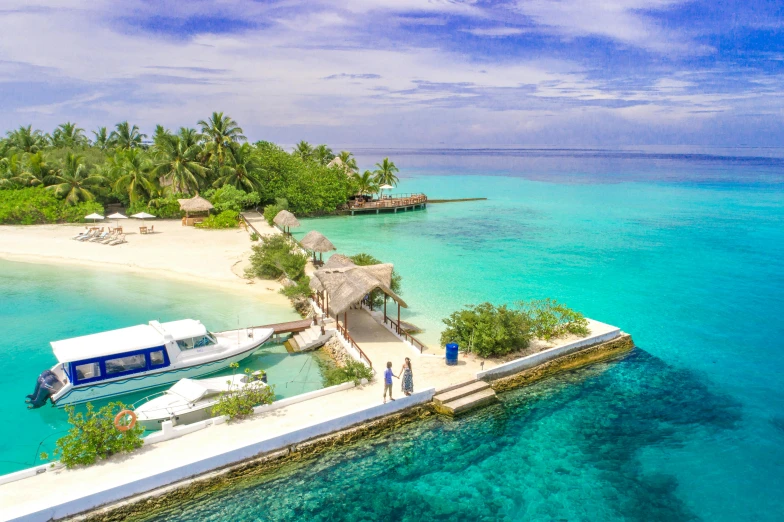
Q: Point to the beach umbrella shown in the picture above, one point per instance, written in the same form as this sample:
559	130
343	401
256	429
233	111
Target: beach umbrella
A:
285	219
385	187
94	217
316	242
143	216
117	217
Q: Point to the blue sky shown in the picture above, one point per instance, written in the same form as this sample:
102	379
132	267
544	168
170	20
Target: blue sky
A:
405	72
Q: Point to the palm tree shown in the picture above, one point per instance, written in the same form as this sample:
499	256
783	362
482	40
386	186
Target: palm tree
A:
365	183
160	136
349	161
177	162
26	139
73	181
11	172
241	170
126	137
385	173
102	139
323	155
221	132
304	151
68	135
37	171
134	169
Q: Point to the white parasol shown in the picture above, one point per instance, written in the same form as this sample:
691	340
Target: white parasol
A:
117	217
94	217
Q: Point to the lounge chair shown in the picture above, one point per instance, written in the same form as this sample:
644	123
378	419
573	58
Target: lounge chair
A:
82	234
151	230
119	241
100	237
91	235
112	236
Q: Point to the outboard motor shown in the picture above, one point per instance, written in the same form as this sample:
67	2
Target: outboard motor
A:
46	385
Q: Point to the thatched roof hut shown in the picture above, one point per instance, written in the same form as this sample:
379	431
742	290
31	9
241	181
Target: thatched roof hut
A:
316	242
336	163
195	204
346	283
285	220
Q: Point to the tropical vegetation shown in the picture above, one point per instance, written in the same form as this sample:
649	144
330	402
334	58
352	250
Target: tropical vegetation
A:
332	374
93	436
489	330
120	164
377	296
238	402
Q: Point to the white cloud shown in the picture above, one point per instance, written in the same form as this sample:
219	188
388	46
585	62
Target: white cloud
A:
495	31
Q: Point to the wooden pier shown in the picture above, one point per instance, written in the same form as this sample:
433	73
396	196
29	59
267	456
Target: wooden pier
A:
288	327
391	203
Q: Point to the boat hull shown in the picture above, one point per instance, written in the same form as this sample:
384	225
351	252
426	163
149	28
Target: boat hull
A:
105	390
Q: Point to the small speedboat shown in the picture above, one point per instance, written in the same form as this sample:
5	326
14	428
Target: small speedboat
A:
191	400
106	364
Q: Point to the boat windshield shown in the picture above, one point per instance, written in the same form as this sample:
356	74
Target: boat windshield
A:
201	341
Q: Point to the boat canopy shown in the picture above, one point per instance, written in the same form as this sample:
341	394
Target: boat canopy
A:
125	340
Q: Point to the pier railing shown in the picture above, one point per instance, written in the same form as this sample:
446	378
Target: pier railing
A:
391	201
402	333
344	332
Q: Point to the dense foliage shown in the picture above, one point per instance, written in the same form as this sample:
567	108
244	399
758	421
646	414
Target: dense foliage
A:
122	166
332	374
226	219
275	256
35	205
377	296
239	401
488	330
93	436
270	211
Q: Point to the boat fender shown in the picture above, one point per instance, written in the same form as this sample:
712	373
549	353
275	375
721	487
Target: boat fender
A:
120	416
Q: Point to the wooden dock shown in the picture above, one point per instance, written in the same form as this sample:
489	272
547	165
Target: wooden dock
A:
288	327
391	203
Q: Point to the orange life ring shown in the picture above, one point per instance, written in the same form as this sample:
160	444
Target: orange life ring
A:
119	417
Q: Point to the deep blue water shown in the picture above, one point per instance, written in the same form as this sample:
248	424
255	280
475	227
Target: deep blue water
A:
686	253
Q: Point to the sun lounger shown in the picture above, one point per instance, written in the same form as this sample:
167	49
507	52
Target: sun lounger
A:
91	235
119	241
100	237
112	236
81	234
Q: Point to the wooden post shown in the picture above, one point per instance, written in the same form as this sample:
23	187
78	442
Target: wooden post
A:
385	307
345	320
398	318
370	300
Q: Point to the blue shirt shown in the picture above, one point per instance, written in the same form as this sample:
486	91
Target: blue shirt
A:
388	376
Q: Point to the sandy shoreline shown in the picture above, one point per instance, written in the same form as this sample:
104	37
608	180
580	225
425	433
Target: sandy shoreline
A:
214	258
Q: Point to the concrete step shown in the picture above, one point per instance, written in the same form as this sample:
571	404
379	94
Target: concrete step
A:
467	402
288	346
460	392
297	342
455	386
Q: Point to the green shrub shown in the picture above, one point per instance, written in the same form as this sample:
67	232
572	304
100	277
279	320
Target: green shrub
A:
270	211
332	374
377	296
239	401
276	255
488	330
226	219
164	208
92	436
299	290
229	197
551	319
254	236
36	205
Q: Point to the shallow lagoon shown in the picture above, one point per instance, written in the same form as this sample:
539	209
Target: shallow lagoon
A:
40	303
687	254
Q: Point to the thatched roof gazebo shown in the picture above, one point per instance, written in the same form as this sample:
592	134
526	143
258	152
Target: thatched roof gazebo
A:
285	220
316	242
194	205
340	284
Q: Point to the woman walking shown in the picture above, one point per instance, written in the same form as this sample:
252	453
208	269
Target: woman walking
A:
407	378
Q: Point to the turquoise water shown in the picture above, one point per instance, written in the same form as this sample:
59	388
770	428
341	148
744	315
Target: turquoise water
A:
685	253
39	304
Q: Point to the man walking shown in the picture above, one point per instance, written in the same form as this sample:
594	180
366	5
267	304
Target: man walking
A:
388	382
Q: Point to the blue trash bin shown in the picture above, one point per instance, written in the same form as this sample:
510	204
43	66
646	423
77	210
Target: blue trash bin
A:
451	354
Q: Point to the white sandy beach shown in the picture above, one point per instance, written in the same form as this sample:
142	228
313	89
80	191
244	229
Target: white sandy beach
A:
207	257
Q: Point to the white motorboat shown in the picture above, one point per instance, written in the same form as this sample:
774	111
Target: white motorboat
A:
191	400
127	360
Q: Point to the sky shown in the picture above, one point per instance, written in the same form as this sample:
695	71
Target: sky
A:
405	73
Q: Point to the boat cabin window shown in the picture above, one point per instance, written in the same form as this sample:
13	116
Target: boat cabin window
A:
196	342
88	371
157	358
125	364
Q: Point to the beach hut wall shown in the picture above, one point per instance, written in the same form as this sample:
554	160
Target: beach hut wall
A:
316	242
195	204
284	218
